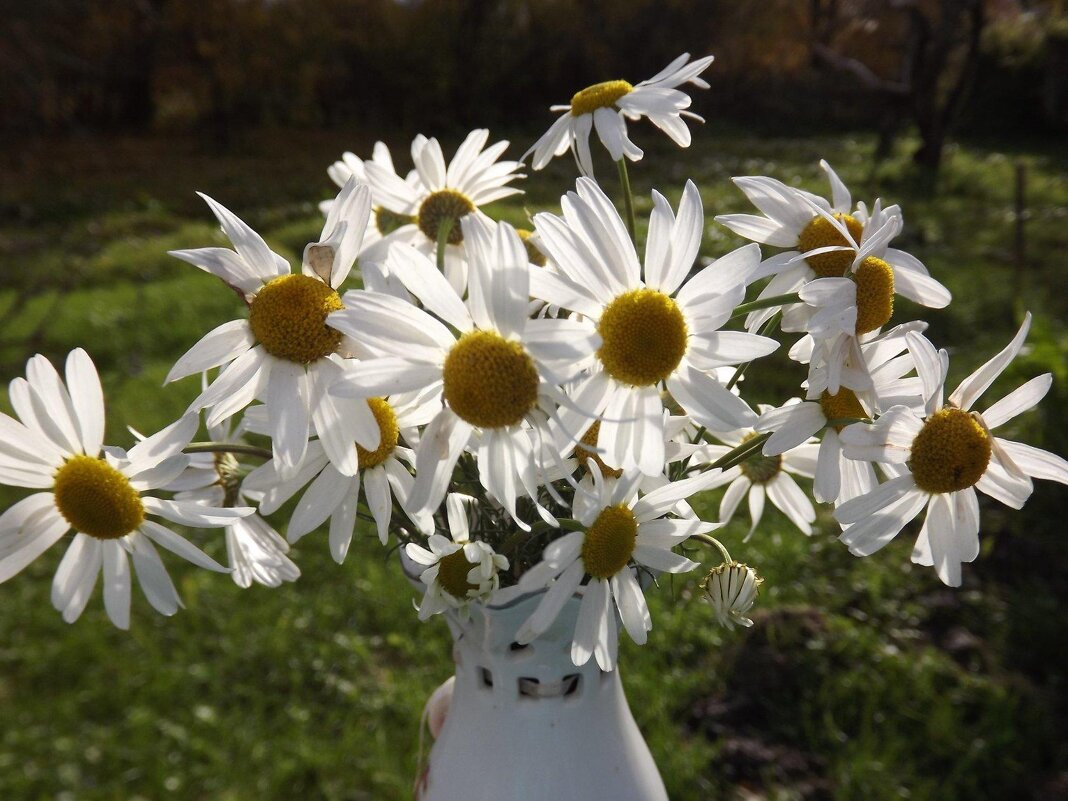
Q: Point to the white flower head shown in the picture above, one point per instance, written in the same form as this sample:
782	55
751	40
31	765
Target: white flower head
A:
57	448
606	106
732	591
276	355
458	571
658	328
621	531
937	461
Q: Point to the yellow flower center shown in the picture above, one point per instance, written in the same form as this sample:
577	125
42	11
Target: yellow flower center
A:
821	234
609	542
586	455
875	294
387	221
452	574
643	337
534	255
600	95
389	433
841	406
950	453
288	317
490	381
760	469
96	499
445	204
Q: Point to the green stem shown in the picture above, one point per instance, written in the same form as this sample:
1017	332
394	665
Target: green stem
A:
739	453
765	303
444	228
227	447
707	540
740	371
628	200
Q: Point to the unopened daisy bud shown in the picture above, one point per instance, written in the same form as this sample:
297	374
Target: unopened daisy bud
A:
732	589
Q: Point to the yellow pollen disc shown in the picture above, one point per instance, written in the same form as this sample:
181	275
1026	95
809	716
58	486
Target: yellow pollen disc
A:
875	294
600	95
445	203
761	469
533	254
452	574
490	381
288	317
96	499
842	405
821	234
609	542
950	453
387	426
387	221
643	337
586	455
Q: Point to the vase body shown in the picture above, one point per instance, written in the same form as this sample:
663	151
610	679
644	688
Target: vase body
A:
526	724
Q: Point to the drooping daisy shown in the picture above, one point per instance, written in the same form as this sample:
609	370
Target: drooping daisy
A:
497	376
838	479
823	238
762	477
255	551
660	331
276	354
939	460
732	591
621	531
444	194
459	571
606	106
57	448
334	495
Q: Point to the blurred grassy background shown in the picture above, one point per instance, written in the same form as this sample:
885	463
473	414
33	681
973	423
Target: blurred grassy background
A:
862	678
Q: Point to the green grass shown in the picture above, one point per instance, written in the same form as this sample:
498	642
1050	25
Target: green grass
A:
862	678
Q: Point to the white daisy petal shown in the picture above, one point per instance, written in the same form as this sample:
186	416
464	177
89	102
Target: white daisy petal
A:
156	585
219	346
877	529
1036	462
88	398
1018	401
116	584
632	606
974	385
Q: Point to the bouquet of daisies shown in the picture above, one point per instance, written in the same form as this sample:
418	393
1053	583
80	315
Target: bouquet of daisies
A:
529	410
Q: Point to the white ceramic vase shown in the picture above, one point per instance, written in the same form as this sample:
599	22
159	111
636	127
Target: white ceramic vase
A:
526	724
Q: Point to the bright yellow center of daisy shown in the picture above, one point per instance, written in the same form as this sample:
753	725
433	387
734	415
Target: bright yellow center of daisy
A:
387	221
875	294
288	317
821	234
445	204
643	337
389	433
609	542
950	453
586	455
534	255
600	95
841	406
490	381
760	469
96	499
452	574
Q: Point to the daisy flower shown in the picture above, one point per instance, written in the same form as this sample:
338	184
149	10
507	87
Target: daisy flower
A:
656	327
56	446
823	237
762	477
496	375
620	532
838	479
444	193
256	552
606	106
334	495
457	571
939	460
732	591
277	353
